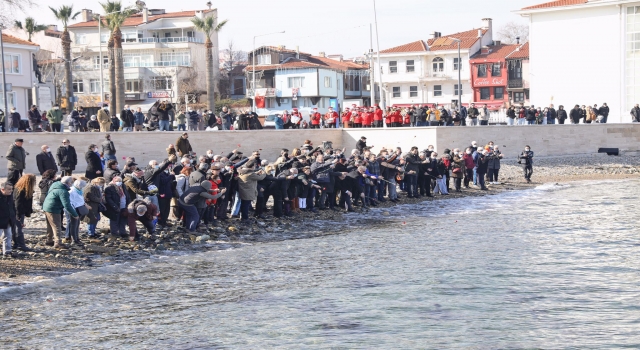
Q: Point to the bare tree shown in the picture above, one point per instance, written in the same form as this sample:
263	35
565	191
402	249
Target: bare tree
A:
9	10
189	86
509	33
232	59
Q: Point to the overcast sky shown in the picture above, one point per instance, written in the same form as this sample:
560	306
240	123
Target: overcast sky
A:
331	26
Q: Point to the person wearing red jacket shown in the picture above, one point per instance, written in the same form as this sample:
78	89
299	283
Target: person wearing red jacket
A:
296	119
315	119
396	118
330	118
377	117
368	122
357	120
406	119
346	118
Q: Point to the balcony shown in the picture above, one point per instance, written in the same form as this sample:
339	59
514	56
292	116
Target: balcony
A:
515	83
168	40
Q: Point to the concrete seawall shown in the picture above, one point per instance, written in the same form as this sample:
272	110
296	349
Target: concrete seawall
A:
545	140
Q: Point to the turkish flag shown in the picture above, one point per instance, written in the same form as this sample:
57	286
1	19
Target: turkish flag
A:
259	101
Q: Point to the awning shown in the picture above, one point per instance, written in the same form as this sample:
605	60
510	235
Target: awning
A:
144	105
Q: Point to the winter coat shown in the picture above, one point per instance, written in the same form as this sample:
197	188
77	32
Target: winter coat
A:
575	115
104	119
108	148
7	211
483	164
531	114
58	199
183	146
93	165
112	201
163	112
92	195
67	158
194	118
24	205
413	163
35	117
472	112
54	116
457	163
44	186
604	111
14	120
135	188
17	157
138	118
181	118
45	161
635	114
562	114
128	120
469	162
196	178
248	185
109	174
494	160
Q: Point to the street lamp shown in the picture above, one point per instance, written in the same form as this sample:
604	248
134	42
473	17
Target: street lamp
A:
253	71
459	74
4	83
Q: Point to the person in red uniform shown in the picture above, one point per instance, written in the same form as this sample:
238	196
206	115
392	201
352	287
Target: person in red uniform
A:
368	122
330	118
357	120
406	119
377	117
315	119
296	119
346	118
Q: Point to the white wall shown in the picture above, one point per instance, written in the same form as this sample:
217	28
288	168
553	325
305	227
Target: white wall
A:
310	87
575	58
331	91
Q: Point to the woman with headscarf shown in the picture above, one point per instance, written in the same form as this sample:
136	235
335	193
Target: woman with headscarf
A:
23	199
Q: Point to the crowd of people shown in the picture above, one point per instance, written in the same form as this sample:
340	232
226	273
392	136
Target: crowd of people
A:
194	193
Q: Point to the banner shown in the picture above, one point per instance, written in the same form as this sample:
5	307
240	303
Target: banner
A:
294	92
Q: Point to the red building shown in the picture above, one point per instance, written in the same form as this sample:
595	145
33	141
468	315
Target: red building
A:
489	76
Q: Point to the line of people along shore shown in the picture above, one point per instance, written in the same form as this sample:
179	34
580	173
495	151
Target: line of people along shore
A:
196	193
164	117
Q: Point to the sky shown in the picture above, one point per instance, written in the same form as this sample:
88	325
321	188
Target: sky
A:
331	26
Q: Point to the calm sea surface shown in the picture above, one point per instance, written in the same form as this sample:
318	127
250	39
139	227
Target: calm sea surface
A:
556	267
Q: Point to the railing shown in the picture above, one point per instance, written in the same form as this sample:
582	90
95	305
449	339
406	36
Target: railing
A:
157	64
515	83
179	39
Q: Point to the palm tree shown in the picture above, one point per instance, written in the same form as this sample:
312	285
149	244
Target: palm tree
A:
208	26
114	18
64	14
30	26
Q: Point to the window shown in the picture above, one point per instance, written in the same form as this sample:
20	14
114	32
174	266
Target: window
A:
455	90
96	62
94	86
352	82
133	85
515	70
438	64
172	59
437	90
455	64
411	66
482	71
413	91
518	97
12	64
485	93
138	60
78	86
104	38
162	83
498	93
238	86
11	97
81	39
396	91
393	66
129	37
296	82
327	82
496	70
294	103
191	34
264	59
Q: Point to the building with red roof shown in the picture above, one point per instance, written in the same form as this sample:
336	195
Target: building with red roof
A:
584	52
426	72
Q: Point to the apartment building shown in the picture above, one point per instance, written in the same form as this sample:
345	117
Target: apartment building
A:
19	64
427	72
164	57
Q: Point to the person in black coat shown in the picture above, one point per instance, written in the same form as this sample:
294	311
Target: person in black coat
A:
604	112
575	115
67	158
361	145
483	167
127	118
94	165
562	115
115	211
45	160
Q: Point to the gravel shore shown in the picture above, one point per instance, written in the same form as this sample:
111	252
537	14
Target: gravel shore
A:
45	262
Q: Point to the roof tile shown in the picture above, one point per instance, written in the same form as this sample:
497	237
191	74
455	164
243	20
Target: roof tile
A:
136	19
10	39
468	38
416	46
522	53
497	52
557	3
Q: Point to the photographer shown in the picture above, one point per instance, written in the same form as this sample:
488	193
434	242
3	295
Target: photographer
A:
526	160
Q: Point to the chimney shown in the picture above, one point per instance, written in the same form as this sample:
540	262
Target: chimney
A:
298	52
87	15
322	54
199	14
436	35
497	42
518	40
145	15
479	33
485	50
487	23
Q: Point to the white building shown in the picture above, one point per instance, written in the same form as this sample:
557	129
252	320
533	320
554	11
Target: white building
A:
19	68
585	52
427	72
287	79
164	55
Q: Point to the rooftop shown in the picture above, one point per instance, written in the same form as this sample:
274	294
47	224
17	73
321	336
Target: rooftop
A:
519	54
313	62
496	52
136	19
416	46
557	3
10	39
443	43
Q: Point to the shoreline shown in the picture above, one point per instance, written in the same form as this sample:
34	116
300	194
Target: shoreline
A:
46	263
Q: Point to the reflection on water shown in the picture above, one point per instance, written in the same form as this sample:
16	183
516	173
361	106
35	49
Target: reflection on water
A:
555	267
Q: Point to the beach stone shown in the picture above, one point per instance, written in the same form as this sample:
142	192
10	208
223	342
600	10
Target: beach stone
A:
218	230
233	229
203	238
386	213
262	223
160	247
192	238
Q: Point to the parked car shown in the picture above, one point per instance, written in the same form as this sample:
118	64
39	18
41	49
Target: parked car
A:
270	121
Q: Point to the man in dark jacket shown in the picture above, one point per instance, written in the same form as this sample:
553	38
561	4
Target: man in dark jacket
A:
483	166
94	164
562	115
189	201
127	118
7	218
421	116
473	114
411	172
604	112
14	120
361	145
45	160
17	161
35	119
551	115
635	114
136	186
108	148
575	115
74	120
531	115
183	146
67	158
115	200
163	115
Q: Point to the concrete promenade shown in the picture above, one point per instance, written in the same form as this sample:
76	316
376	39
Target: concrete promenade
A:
545	140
